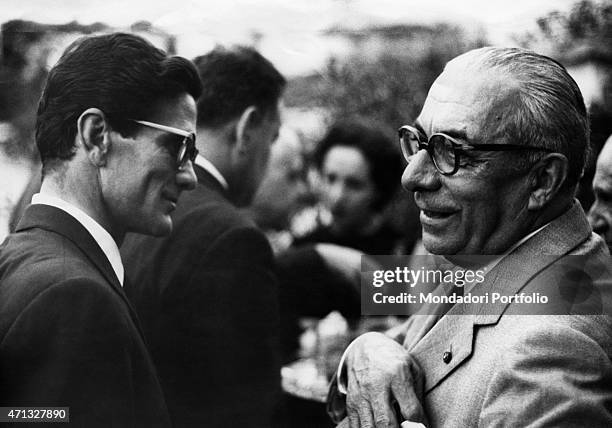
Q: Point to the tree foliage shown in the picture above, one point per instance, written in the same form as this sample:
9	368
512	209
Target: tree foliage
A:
387	86
582	34
587	23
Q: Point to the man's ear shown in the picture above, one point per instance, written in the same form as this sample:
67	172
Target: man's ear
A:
547	177
245	127
92	130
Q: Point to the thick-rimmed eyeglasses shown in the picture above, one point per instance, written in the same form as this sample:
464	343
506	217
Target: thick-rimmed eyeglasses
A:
187	150
445	152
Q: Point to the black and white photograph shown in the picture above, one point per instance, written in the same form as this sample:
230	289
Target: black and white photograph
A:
283	214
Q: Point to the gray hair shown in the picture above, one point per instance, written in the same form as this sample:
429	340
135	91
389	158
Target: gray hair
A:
548	110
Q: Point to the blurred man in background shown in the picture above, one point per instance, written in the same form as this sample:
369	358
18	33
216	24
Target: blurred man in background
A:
207	294
283	191
115	132
600	214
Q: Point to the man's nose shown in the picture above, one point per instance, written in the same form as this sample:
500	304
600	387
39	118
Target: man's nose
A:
186	177
420	173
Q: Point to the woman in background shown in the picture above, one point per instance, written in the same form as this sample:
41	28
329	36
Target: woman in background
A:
359	172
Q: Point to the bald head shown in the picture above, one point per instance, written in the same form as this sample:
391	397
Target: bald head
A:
283	189
600	215
543	104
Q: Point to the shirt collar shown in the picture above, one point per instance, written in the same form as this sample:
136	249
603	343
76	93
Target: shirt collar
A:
496	260
207	165
99	234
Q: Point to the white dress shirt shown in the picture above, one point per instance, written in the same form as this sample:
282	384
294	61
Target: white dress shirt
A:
207	166
99	234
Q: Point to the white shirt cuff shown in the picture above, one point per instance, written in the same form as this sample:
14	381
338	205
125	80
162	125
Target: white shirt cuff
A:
341	372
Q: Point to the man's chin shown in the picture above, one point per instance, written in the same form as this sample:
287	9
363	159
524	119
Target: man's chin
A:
158	229
438	245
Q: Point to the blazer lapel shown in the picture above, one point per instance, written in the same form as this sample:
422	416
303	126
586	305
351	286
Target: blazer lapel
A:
440	347
55	220
427	316
556	240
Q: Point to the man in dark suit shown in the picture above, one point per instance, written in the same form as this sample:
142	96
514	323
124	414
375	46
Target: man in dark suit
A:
115	131
207	294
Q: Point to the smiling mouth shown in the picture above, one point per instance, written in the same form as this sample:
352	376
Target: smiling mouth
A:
437	214
172	202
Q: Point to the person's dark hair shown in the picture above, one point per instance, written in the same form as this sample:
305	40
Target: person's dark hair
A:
121	74
548	109
234	79
379	150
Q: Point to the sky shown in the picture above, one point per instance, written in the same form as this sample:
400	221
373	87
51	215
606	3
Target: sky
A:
291	31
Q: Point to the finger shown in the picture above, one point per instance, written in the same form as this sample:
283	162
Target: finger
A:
407	399
353	419
358	403
384	414
344	423
366	418
352	406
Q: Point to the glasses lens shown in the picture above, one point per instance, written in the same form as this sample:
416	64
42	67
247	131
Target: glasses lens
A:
187	151
443	153
409	142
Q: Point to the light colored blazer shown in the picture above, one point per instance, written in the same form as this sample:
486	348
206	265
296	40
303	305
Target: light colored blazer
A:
503	369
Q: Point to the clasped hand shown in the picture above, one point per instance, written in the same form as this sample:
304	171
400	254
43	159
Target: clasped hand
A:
380	372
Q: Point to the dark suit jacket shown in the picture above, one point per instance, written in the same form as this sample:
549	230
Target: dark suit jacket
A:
68	336
207	297
309	288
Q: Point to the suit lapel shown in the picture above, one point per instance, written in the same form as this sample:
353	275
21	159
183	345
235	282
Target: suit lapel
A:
56	220
440	347
560	237
427	316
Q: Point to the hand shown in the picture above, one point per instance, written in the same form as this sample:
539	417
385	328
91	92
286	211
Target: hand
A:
347	262
379	372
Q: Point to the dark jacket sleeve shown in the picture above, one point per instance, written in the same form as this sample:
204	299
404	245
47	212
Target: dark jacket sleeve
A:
309	288
77	347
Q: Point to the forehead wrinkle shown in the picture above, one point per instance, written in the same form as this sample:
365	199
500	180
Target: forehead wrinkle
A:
437	106
475	106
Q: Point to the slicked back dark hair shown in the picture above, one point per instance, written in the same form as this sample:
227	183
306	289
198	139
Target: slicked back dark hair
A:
376	146
121	74
234	79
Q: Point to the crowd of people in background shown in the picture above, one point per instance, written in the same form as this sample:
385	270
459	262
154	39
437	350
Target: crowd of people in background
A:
164	265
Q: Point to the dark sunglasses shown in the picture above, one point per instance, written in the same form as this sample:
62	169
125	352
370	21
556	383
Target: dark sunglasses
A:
445	151
187	151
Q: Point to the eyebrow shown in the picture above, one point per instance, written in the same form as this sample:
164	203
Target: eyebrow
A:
419	128
458	134
170	138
